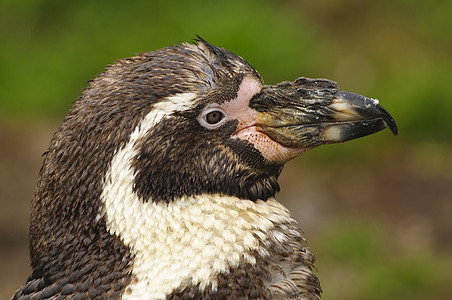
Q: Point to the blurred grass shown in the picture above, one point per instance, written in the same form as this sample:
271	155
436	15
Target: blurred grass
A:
358	262
52	48
396	51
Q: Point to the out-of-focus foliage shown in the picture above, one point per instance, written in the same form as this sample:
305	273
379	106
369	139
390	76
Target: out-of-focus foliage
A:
396	51
51	48
360	264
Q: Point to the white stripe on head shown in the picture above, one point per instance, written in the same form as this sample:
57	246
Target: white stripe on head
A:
162	109
190	239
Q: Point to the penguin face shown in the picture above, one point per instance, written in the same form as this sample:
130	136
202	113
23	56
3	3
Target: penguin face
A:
195	149
233	135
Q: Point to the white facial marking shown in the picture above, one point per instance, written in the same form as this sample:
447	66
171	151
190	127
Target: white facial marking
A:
189	239
178	102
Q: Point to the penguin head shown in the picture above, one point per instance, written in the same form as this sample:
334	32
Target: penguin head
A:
174	126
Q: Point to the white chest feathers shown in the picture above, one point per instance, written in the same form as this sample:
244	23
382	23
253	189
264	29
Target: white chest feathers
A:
190	240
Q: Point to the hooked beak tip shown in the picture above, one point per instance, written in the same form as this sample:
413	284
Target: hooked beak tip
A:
389	120
367	108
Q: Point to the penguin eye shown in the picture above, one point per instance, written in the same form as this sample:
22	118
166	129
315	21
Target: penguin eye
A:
212	118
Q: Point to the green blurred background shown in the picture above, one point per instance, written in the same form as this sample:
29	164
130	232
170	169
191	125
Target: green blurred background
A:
377	211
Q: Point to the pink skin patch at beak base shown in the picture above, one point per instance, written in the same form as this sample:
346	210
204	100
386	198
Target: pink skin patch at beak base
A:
271	150
248	127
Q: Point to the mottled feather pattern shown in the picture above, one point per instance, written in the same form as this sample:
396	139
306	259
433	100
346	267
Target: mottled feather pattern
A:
292	264
142	111
283	271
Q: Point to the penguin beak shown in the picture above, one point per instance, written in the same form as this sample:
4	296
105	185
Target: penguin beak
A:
313	112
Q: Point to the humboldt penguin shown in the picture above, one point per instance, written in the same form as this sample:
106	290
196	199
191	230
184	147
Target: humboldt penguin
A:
161	180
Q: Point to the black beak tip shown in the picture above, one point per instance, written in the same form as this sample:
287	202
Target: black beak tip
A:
369	108
388	119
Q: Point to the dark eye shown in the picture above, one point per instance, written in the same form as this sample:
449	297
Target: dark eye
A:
214	117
